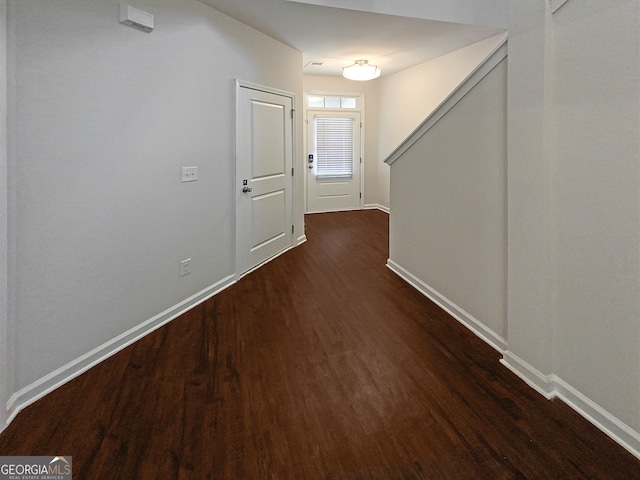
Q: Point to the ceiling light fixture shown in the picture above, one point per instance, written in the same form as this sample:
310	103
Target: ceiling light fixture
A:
361	70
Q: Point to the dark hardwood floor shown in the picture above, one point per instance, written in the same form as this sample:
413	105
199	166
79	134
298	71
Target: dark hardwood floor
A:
322	364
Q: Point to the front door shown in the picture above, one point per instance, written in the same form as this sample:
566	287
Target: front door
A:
334	161
264	156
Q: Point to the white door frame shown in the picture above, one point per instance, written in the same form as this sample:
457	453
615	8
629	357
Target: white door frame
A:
238	187
355	182
360	107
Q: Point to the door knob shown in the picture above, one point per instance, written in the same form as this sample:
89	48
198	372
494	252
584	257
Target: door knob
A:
246	189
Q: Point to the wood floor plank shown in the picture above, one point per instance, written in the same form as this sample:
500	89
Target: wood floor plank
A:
321	364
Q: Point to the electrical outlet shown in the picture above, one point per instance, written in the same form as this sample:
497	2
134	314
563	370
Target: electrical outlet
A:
189	174
185	267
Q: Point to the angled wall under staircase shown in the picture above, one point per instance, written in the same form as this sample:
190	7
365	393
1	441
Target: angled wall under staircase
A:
518	211
448	200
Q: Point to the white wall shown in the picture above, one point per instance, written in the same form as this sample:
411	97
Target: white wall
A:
529	193
574	178
596	208
5	372
408	97
573	250
448	219
326	84
101	118
391	117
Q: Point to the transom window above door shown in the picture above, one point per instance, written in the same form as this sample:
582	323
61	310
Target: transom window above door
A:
319	101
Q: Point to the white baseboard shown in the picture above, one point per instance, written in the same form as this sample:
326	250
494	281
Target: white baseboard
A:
301	239
38	389
541	383
368	206
552	386
264	262
464	317
549	386
375	206
332	210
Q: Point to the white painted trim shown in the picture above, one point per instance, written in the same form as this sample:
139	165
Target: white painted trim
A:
552	386
376	206
620	432
327	93
301	239
38	389
309	212
549	386
264	88
264	262
361	109
292	96
540	382
5	365
555	5
363	161
462	316
488	64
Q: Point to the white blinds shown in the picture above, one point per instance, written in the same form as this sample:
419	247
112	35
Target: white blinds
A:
334	147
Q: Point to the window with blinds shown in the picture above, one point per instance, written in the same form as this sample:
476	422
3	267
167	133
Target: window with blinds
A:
334	147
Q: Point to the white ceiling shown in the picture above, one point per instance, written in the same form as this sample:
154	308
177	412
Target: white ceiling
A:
338	37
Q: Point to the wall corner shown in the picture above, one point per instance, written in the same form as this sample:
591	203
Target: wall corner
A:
4	226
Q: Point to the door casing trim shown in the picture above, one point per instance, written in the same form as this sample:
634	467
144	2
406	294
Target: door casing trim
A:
292	96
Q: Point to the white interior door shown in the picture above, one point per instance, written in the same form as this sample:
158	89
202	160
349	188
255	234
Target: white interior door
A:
264	150
334	161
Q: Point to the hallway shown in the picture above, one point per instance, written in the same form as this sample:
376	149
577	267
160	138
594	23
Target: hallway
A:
321	364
